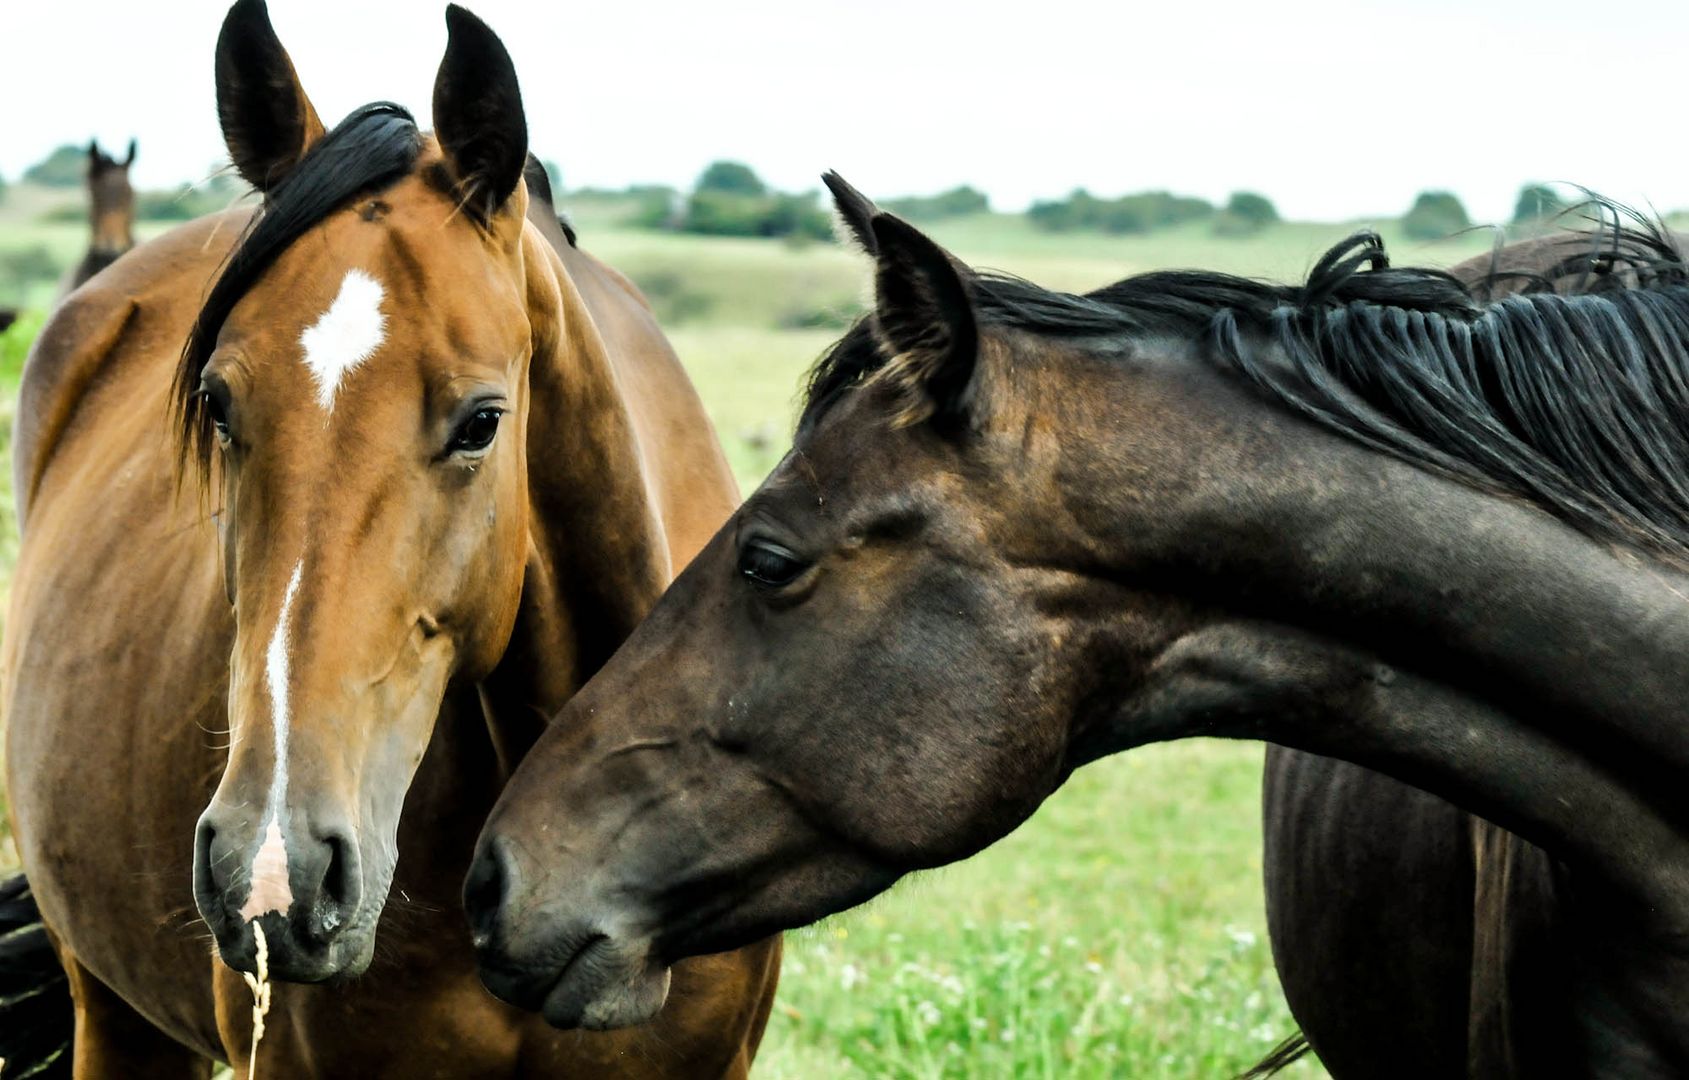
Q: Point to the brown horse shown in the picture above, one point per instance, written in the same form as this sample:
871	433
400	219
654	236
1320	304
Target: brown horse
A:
448	466
1376	516
111	212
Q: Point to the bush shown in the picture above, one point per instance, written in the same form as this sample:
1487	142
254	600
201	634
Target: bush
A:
65	167
730	178
1138	213
672	298
1251	210
1246	213
15	341
21	268
957	202
719	213
220	190
1434	216
1537	201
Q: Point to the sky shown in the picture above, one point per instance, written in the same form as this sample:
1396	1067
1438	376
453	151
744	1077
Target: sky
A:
1335	110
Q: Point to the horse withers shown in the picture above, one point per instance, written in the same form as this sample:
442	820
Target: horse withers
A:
1375	515
269	666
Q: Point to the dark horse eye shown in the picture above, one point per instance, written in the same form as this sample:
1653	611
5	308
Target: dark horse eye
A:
476	433
217	410
769	565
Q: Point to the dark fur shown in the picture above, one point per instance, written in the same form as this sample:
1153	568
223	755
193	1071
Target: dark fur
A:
36	1020
1574	402
368	152
1279	1058
539	187
478	115
257	96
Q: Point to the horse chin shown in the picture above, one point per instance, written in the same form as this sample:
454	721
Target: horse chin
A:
608	984
343	959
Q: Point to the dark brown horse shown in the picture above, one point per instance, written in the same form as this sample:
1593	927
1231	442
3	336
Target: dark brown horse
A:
111	212
1373	516
449	462
1365	873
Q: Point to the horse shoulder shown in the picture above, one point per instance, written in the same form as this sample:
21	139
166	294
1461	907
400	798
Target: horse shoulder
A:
141	303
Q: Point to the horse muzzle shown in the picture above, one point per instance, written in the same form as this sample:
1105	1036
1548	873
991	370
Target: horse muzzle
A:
573	969
304	885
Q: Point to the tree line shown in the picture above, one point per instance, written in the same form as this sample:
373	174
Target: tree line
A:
730	199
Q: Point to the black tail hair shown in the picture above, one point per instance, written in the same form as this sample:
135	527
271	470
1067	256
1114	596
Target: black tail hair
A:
36	1017
1291	1050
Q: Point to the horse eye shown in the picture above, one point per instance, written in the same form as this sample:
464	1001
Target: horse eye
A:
769	566
476	433
217	410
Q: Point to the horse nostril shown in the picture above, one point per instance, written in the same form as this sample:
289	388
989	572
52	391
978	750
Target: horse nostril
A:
206	885
339	886
484	892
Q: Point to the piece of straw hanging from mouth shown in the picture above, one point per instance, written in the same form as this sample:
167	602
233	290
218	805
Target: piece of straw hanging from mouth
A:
259	984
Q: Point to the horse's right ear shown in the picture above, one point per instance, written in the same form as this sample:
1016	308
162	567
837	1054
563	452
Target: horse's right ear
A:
855	209
268	122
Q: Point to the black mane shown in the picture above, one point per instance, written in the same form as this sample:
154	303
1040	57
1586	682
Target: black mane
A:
1572	392
367	152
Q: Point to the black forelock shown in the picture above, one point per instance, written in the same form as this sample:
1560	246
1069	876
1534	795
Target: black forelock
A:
1571	389
367	152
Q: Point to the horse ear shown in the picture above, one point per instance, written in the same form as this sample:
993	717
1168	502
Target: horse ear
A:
96	160
925	315
855	209
129	158
268	122
478	115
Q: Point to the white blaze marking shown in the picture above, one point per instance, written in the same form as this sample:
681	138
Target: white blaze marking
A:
348	334
270	890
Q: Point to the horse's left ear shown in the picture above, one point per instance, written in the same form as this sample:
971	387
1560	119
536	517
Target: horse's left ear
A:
478	115
129	159
855	209
925	316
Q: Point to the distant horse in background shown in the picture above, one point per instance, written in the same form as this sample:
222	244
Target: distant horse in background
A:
111	213
1379	515
292	602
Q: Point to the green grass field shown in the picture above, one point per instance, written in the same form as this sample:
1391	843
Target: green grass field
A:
1120	931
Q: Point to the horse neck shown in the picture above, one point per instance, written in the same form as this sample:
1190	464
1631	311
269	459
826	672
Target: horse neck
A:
598	556
113	227
1351	599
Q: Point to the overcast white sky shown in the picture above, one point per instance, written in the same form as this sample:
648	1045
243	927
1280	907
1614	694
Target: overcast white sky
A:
1333	109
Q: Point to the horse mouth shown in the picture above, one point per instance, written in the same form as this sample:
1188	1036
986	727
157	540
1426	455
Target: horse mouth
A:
605	983
290	959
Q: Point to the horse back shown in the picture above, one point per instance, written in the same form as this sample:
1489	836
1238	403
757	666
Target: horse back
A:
133	315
